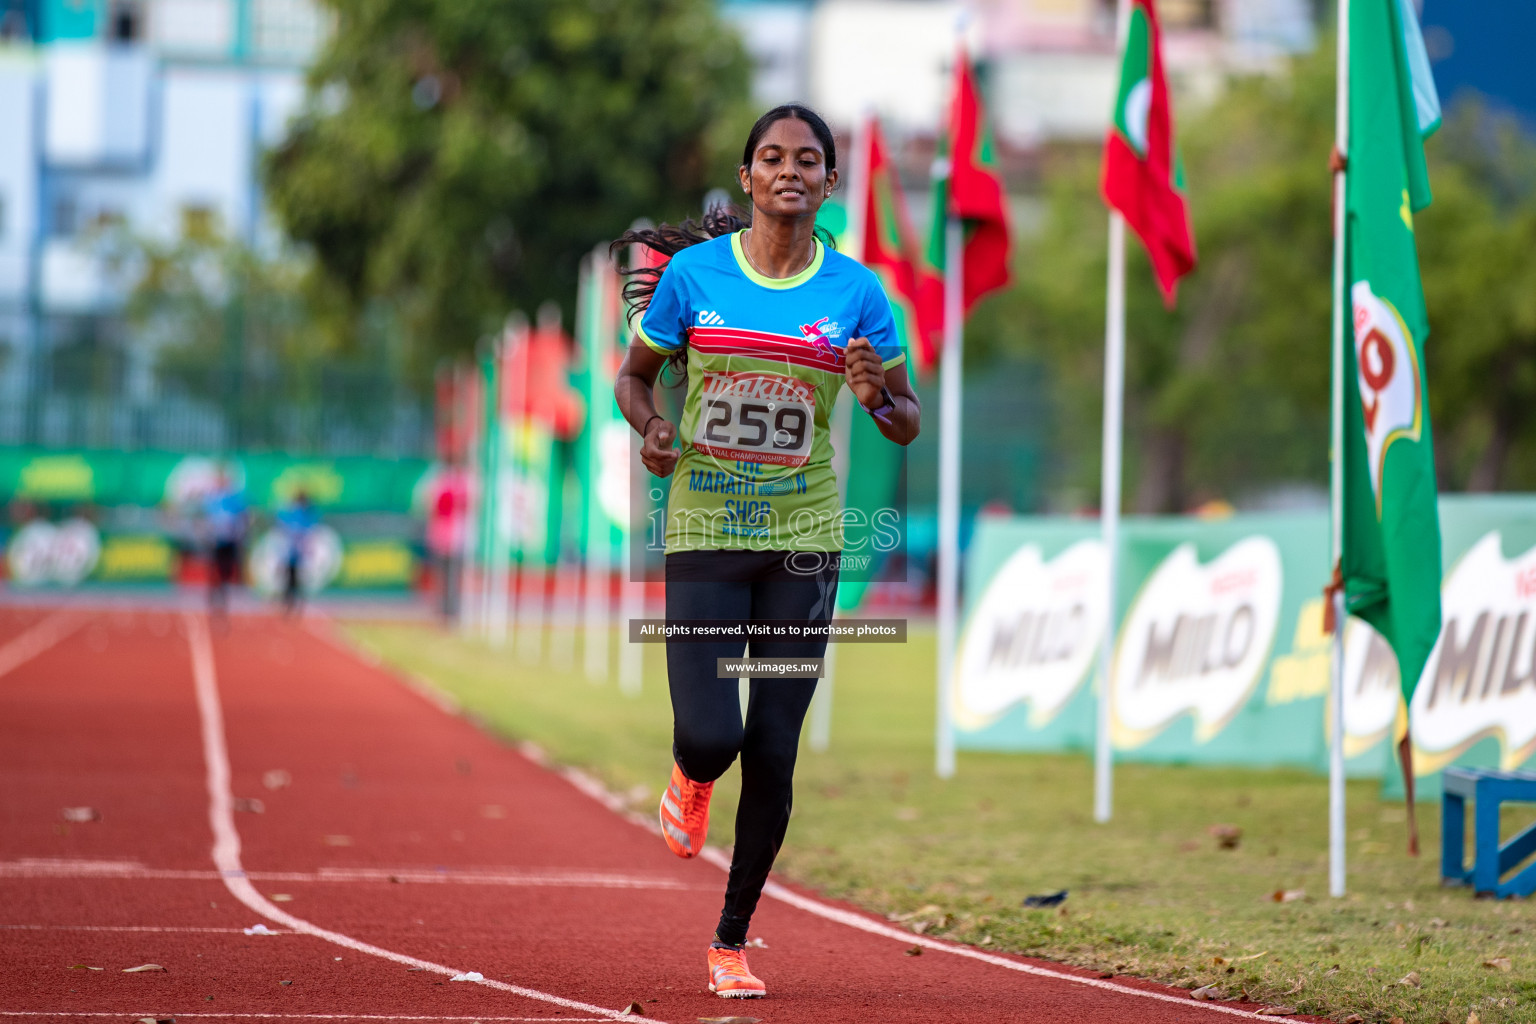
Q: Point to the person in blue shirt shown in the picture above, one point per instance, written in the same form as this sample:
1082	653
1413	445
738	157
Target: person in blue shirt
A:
297	522
227	518
768	325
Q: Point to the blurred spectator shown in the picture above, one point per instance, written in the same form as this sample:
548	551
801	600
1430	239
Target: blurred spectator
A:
447	509
227	518
1213	508
998	507
297	524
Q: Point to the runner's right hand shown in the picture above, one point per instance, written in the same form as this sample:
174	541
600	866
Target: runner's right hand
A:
657	452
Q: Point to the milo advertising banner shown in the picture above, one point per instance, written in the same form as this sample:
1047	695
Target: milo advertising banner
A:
89	517
1220	655
1035	621
1476	701
1206	605
1196	640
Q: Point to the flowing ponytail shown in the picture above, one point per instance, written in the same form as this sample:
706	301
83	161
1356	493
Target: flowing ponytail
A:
669	240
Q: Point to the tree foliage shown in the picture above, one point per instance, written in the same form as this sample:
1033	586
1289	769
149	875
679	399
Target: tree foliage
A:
1477	242
1227	395
457	159
247	338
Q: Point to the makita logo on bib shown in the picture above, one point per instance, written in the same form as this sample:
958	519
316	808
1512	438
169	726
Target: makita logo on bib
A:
767	387
709	318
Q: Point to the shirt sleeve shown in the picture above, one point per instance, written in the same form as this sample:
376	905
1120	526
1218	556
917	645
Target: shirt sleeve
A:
878	324
664	327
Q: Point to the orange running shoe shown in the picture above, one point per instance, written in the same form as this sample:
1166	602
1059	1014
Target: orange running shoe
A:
685	814
729	976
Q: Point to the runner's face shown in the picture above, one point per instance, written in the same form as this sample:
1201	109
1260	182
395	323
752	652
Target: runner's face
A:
788	176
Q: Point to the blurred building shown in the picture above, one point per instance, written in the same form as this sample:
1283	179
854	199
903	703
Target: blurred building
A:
148	116
147	112
1049	65
1049	69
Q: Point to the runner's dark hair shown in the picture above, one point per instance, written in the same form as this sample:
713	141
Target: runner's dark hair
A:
668	240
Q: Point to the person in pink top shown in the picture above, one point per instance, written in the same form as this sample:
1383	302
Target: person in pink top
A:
447	511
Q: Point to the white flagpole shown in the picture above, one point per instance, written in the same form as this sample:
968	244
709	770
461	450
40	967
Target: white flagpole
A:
858	192
820	731
1336	477
631	589
821	703
1109	505
949	490
503	484
842	422
565	590
599	330
474	503
496	441
1109	481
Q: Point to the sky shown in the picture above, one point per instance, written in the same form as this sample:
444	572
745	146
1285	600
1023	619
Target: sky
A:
1484	45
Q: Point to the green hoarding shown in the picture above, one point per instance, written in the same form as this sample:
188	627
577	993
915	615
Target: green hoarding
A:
1220	656
107	478
106	517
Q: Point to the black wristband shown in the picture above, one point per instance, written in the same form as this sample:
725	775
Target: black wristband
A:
647	428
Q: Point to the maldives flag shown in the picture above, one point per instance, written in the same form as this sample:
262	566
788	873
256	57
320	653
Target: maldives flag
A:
891	251
1142	177
968	187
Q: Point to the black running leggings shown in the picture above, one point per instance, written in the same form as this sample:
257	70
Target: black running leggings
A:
707	730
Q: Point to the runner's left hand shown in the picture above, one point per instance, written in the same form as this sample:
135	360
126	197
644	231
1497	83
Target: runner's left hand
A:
861	366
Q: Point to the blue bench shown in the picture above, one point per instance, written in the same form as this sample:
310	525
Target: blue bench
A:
1490	861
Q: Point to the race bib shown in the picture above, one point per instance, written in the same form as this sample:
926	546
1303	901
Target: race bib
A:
756	417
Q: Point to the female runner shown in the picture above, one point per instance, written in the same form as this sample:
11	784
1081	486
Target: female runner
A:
767	324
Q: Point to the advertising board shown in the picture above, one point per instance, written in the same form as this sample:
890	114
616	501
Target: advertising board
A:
1220	656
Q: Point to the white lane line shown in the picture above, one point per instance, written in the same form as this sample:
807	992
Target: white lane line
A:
40	867
226	844
38	639
121	928
593	788
69	1014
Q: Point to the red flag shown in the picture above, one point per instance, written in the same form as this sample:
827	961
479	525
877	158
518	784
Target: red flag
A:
1142	176
972	191
890	249
537	386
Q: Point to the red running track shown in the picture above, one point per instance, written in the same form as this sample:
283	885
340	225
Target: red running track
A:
262	775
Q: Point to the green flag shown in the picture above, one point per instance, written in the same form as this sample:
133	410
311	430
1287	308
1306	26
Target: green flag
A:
1391	556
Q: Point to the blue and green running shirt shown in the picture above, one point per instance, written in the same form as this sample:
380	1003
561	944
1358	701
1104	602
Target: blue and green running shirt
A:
765	366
